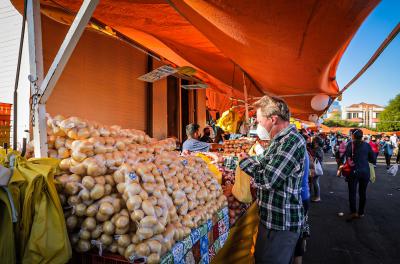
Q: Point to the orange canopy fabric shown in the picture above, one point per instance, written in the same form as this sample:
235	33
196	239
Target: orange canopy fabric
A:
287	48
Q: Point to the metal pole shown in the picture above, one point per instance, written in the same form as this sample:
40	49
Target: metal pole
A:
36	70
246	104
392	35
15	109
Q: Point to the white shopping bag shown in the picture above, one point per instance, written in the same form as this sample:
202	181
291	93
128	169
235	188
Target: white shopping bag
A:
393	170
318	168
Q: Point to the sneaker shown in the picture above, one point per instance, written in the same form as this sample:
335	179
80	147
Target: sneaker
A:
361	215
316	200
374	166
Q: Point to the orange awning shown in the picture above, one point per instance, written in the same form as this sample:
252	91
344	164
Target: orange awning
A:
285	47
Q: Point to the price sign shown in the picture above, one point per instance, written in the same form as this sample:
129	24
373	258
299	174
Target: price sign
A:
158	74
132	176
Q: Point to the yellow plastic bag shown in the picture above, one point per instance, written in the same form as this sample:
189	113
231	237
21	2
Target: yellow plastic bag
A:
240	245
229	121
372	173
41	231
241	188
7	242
211	167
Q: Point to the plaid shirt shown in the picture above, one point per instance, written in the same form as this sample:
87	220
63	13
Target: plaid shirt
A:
278	174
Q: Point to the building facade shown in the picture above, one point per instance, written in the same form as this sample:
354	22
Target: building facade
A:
333	110
364	114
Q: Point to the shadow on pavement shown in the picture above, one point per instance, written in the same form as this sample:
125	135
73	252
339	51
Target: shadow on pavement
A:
372	239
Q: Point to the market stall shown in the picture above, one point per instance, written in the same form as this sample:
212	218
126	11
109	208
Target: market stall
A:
122	192
124	195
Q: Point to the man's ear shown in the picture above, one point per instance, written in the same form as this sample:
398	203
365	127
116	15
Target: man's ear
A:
274	120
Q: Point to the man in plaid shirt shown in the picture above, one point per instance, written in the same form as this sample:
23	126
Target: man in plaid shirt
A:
278	174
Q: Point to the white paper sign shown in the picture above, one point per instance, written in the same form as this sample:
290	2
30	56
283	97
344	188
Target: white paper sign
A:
195	86
158	74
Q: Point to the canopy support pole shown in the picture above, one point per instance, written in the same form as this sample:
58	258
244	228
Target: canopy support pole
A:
41	95
392	35
36	76
246	104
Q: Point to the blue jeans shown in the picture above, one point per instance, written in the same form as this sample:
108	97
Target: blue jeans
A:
315	189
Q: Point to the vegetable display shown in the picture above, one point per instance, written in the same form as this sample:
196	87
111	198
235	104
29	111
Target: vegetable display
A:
126	193
237	146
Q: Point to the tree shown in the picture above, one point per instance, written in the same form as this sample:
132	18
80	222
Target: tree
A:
336	121
389	119
339	123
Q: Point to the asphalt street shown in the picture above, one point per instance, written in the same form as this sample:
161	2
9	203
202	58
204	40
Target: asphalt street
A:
372	239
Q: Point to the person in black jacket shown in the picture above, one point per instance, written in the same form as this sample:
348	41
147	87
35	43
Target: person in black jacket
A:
361	153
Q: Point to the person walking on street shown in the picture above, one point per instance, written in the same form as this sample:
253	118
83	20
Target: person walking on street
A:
394	140
375	148
317	156
340	150
333	140
278	174
398	153
360	153
388	151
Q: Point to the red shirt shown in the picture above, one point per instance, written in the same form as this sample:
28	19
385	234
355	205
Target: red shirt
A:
374	146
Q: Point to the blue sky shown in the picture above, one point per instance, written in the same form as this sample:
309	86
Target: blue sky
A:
381	82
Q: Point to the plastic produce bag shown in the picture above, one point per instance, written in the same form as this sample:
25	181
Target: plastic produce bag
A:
229	121
318	168
393	170
7	242
211	167
241	187
41	231
372	173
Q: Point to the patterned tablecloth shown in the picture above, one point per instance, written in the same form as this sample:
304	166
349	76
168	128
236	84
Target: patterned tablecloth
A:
203	243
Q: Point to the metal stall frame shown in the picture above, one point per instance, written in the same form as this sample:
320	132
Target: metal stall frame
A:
42	87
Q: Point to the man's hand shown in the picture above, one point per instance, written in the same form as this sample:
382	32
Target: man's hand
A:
186	152
227	190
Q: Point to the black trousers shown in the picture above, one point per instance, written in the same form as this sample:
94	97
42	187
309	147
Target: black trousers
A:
362	193
376	154
388	157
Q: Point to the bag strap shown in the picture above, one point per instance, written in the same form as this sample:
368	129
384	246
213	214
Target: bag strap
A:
352	150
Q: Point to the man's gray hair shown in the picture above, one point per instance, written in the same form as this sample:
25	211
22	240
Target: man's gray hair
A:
191	129
270	106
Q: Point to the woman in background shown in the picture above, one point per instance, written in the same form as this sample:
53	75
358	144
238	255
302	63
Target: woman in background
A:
375	148
388	151
361	153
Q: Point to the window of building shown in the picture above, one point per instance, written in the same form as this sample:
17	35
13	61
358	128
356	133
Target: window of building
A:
348	115
377	115
354	115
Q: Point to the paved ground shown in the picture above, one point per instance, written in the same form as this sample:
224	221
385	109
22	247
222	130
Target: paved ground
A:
373	239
